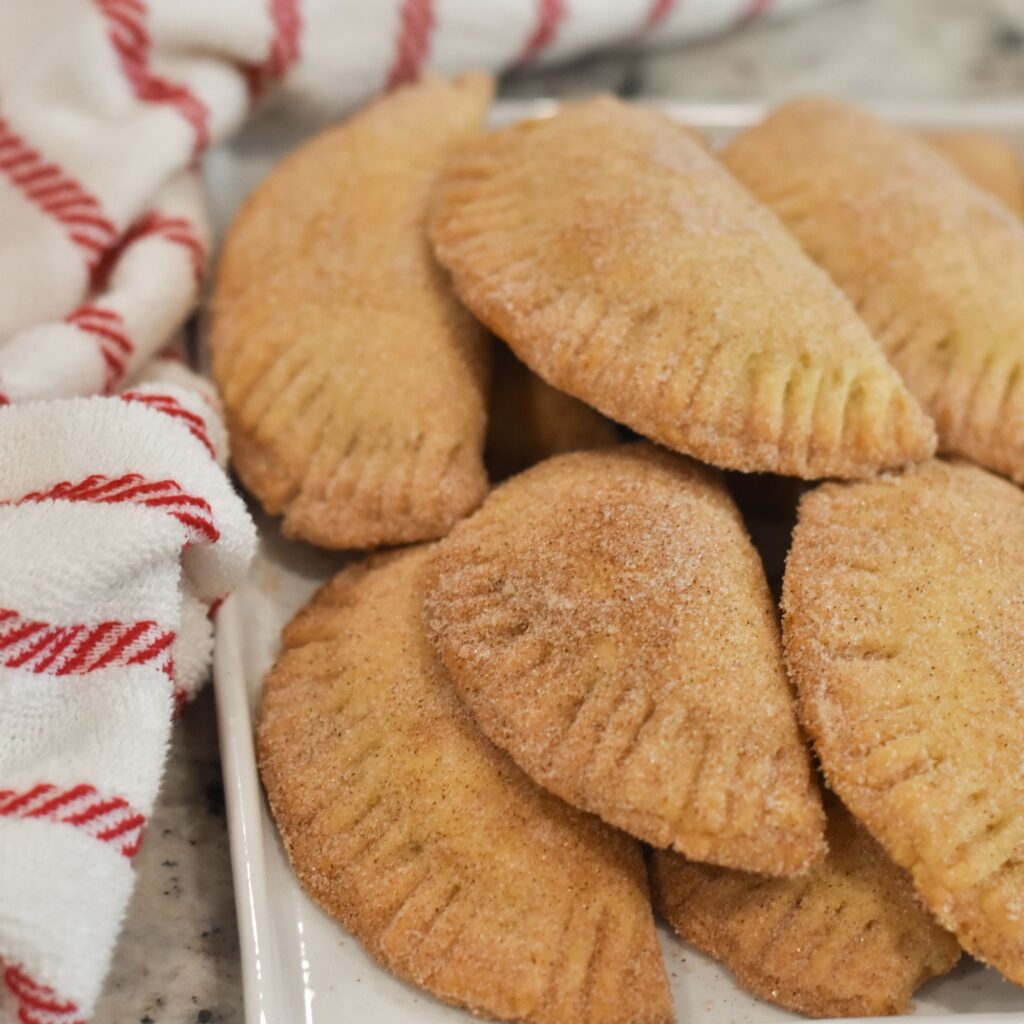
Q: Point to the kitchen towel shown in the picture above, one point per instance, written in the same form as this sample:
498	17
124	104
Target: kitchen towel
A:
118	533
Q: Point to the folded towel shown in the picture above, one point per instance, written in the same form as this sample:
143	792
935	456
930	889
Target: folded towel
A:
118	533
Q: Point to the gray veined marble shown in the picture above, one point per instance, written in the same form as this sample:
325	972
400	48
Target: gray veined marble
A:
858	49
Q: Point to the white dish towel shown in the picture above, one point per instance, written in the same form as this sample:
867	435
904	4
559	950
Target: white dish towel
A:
118	532
117	528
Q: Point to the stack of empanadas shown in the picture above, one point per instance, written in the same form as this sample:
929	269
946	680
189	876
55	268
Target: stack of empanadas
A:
465	743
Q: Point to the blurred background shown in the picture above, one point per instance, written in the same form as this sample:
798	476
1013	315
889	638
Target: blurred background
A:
862	49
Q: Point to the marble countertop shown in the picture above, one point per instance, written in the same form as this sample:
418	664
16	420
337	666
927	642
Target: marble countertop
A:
177	959
859	49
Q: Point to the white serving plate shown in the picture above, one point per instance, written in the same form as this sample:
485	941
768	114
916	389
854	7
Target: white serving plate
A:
298	965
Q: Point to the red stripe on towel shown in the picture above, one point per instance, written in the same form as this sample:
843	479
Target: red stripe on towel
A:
193	512
56	194
170	406
108	330
127	31
78	648
110	819
284	47
38	1004
658	12
178	230
416	23
755	8
550	15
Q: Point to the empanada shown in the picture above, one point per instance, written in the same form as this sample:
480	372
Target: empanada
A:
607	621
529	421
622	263
904	631
989	161
452	868
354	383
933	264
850	939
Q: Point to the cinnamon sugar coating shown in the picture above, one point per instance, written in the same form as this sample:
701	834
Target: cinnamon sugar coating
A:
932	263
992	163
623	264
354	383
850	939
904	632
607	621
448	864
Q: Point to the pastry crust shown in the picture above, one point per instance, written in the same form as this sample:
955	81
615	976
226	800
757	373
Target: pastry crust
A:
848	940
354	383
622	263
453	869
529	421
992	163
904	632
933	264
607	621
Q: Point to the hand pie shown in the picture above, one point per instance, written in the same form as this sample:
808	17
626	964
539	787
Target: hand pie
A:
529	421
622	263
452	868
353	381
933	264
848	940
987	160
607	621
904	631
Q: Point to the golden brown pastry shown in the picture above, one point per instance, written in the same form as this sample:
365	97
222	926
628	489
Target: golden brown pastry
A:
353	381
623	264
529	421
848	940
990	162
932	263
453	869
904	631
607	621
